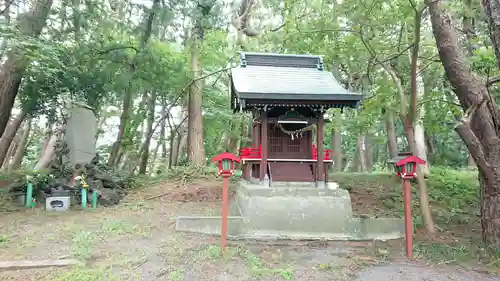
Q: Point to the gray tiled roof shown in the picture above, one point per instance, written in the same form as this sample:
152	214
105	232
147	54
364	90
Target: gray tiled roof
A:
269	82
287	77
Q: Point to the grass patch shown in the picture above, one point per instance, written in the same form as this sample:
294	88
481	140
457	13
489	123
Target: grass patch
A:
258	268
453	193
4	240
83	244
213	252
443	253
81	274
119	227
454	199
176	275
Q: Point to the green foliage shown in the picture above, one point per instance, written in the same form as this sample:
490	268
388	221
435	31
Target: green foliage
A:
22	176
457	191
453	194
189	173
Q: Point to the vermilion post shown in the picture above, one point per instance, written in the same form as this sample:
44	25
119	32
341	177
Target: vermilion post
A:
408	219
225	203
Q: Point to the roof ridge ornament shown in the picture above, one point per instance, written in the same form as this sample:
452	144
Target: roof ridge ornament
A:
243	60
320	64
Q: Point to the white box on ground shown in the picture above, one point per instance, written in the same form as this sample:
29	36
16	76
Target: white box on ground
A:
57	203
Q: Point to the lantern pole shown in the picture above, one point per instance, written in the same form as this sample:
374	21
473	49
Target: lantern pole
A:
225	203
408	218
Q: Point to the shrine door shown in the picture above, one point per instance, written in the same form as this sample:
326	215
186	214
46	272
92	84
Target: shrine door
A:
283	146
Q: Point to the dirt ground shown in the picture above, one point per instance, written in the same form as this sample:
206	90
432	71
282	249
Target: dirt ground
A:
137	241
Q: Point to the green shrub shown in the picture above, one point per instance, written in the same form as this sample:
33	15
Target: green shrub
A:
449	183
453	193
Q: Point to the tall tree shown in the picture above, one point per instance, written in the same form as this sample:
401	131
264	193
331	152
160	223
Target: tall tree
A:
30	25
479	127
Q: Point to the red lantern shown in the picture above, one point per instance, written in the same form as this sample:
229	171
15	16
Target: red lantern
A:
407	167
226	162
226	169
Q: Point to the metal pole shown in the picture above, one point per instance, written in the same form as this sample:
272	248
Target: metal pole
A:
225	203
408	219
84	198
94	199
29	195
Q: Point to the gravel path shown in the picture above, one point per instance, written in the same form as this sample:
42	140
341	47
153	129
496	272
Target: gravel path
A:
409	272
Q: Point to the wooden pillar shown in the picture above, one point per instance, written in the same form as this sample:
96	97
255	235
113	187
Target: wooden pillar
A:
263	143
252	134
321	149
247	167
257	134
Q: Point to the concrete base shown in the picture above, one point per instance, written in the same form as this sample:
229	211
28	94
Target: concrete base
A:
294	212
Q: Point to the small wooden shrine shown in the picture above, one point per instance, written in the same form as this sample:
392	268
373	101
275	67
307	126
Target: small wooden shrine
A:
288	96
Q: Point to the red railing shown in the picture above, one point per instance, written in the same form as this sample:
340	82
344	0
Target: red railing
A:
251	153
256	153
328	153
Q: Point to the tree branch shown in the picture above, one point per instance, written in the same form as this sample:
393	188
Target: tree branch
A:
7	6
181	93
115	48
492	80
470	139
284	23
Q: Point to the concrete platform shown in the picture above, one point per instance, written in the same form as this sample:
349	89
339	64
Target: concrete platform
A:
294	212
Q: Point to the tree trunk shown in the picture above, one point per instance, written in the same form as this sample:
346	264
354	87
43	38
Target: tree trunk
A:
100	125
478	127
468	26
368	154
430	145
163	140
359	161
149	133
178	138
420	144
174	145
46	138
337	149
338	161
128	98
10	153
245	133
392	142
6	15
416	138
154	156
48	154
10	133
196	149
492	10
30	24
122	164
21	149
126	108
181	147
233	138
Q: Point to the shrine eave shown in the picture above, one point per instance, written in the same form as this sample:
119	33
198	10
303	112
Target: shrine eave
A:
248	105
305	97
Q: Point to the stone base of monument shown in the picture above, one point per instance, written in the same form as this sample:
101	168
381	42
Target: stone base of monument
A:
59	201
294	212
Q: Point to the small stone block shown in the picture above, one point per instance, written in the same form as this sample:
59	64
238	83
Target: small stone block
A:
61	203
